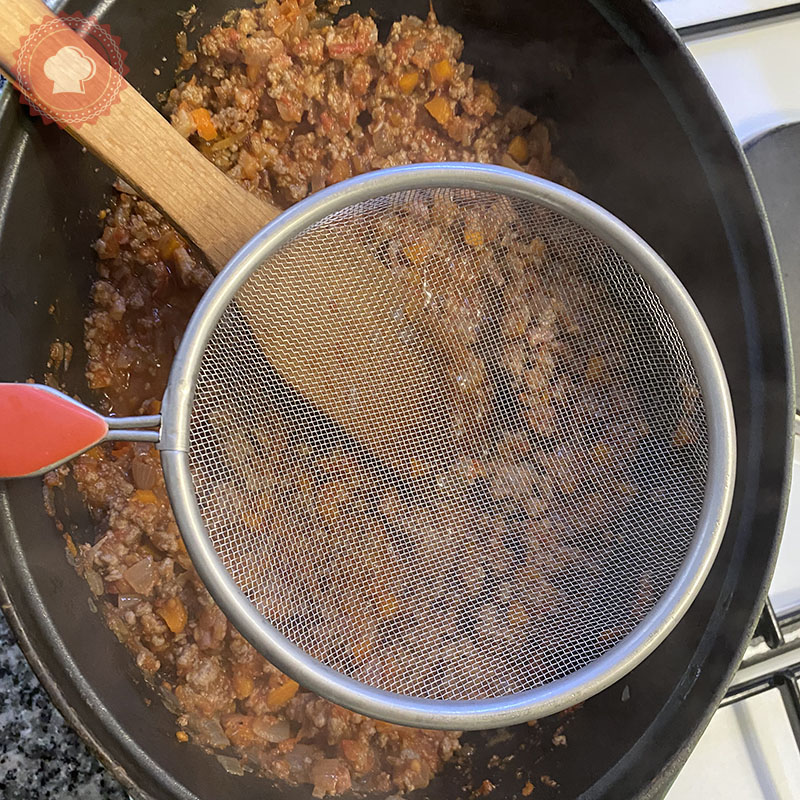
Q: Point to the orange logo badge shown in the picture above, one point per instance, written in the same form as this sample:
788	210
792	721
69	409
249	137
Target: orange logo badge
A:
68	80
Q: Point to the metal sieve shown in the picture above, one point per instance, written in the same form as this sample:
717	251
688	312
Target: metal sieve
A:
527	540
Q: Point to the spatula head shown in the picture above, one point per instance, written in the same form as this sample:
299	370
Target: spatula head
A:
41	428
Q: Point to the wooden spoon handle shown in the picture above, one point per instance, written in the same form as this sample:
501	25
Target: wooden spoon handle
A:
218	215
383	394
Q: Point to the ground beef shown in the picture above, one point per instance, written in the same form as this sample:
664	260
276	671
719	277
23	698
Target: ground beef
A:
450	580
285	101
297	103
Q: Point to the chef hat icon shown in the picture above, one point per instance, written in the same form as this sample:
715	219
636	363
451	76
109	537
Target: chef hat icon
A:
69	69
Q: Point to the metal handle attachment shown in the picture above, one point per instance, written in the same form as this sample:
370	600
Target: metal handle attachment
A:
132	429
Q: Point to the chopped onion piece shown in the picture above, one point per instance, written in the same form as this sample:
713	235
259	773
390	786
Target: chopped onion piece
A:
230	764
208	731
141	576
274	732
96	584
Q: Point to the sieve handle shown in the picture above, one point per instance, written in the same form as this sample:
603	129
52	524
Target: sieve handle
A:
41	428
139	144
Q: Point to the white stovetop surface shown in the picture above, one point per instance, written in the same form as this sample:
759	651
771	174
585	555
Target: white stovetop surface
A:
748	751
683	13
755	72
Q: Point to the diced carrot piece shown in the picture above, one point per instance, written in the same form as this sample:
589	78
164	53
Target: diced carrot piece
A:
439	108
182	736
281	695
71	548
518	149
416	252
484	88
441	71
240	729
418	467
173	612
473	237
517	615
120	448
595	369
243	684
568	485
145	496
168	244
601	452
408	82
253	520
361	650
683	435
388	606
205	127
477	467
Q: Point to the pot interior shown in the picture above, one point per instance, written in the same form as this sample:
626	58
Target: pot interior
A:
638	128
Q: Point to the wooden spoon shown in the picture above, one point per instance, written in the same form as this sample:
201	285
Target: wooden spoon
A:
219	216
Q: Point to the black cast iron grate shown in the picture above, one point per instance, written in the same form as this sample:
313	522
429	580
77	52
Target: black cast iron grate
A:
774	654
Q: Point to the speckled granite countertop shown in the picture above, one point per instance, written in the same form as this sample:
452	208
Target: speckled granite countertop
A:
41	757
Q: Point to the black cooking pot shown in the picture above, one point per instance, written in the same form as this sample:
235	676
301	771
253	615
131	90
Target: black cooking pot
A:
639	126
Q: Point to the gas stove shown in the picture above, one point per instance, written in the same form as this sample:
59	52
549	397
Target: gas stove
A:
749	51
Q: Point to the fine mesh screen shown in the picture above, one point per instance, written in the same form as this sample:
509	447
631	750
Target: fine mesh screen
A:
527	520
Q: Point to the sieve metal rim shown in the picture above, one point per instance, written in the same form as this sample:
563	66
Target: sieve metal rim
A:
401	709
